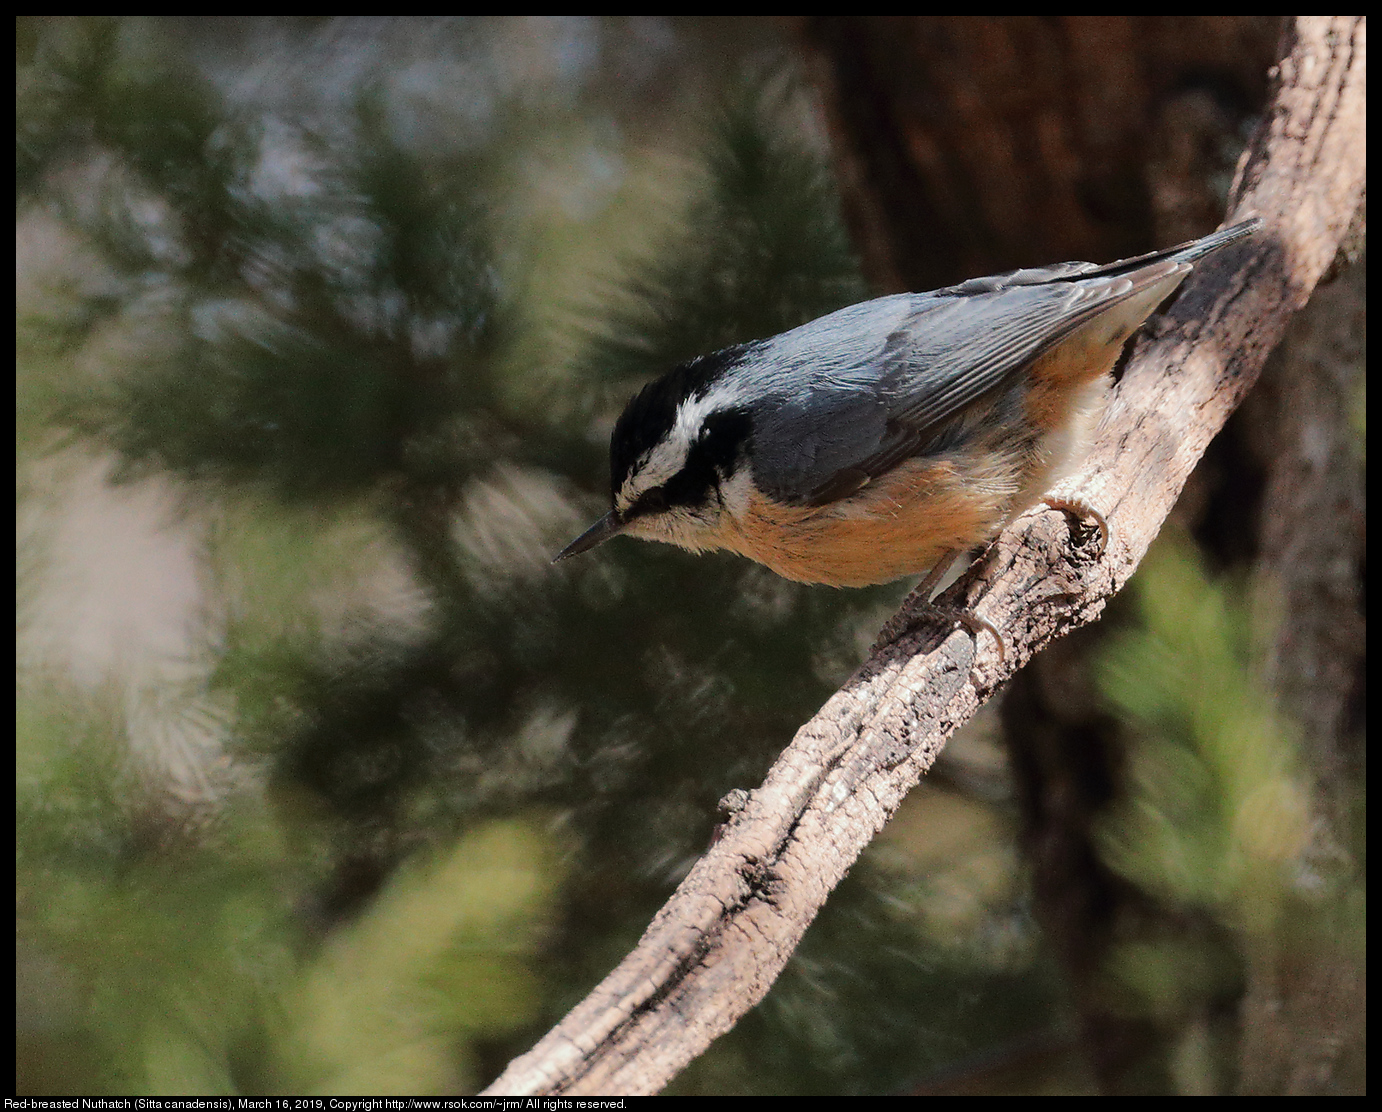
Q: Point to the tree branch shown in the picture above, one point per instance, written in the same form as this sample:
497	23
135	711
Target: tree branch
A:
716	947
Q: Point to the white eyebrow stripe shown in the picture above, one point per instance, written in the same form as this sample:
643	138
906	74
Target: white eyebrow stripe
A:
669	455
691	415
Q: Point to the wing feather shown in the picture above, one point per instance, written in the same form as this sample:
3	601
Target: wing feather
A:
857	392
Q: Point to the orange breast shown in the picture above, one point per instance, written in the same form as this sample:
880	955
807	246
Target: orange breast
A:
900	524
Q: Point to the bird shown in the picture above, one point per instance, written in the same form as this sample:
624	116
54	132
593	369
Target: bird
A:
886	438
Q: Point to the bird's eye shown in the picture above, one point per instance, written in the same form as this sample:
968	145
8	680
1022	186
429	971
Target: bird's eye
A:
652	501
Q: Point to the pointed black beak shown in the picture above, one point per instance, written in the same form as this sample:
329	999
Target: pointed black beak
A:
608	526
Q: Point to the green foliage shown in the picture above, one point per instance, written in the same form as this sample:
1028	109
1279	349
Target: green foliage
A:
1218	815
444	954
1214	821
146	925
449	782
190	966
759	249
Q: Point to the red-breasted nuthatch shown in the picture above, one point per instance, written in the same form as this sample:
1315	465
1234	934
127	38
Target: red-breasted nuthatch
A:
884	439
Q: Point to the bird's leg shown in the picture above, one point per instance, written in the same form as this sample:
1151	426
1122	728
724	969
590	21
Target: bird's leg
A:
907	616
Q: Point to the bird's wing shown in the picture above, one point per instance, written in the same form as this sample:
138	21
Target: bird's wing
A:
831	432
859	391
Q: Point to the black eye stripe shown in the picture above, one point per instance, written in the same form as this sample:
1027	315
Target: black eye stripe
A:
722	438
652	413
649	502
714	455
